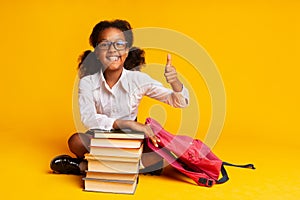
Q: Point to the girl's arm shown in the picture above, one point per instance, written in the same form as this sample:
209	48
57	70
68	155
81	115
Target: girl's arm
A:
136	126
177	97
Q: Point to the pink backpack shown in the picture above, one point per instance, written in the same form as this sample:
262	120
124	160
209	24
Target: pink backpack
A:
190	156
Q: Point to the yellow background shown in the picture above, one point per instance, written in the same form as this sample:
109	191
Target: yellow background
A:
255	45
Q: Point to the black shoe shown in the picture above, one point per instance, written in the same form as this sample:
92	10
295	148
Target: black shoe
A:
155	169
65	164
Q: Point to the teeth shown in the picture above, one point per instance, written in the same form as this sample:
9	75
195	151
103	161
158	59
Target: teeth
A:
113	58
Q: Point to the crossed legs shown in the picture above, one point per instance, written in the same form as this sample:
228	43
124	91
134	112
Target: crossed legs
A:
79	145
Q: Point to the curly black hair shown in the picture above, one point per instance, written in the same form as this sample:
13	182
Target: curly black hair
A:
88	62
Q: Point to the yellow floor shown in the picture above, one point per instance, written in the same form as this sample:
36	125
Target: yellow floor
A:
255	45
26	174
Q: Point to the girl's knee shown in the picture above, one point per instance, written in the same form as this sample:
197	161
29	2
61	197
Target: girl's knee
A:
78	139
74	139
79	144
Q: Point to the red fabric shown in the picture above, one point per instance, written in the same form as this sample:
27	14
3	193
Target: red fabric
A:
195	159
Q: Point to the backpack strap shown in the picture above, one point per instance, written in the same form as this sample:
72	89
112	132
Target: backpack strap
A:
249	166
224	173
225	177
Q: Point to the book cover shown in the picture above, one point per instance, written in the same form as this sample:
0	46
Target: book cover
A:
111	158
110	186
113	166
125	134
119	143
111	176
117	152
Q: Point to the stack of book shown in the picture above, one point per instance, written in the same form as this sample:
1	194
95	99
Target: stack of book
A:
113	161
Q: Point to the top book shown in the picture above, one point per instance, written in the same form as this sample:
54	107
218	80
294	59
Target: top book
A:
119	134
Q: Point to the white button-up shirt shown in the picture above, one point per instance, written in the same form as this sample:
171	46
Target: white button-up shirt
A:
101	105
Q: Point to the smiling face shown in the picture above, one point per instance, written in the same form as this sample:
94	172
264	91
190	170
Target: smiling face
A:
111	49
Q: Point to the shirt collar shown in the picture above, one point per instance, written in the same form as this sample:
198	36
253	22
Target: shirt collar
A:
123	80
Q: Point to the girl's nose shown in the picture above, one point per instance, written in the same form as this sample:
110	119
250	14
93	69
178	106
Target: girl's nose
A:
112	48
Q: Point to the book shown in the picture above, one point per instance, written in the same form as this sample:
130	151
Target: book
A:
113	161
117	152
111	176
111	158
113	166
124	134
119	143
111	186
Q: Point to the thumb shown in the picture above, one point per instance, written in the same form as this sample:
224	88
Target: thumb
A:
169	63
169	60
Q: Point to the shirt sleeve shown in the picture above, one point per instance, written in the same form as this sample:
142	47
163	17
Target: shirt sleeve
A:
156	90
88	113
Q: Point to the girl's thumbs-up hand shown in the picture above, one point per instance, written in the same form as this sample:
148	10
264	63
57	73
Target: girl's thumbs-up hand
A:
170	71
171	75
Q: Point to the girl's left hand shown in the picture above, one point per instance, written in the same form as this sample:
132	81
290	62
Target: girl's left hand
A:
136	126
171	75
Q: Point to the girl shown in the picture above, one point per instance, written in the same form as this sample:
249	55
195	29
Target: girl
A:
110	90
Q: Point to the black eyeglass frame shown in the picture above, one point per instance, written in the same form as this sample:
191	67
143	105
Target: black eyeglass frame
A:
109	43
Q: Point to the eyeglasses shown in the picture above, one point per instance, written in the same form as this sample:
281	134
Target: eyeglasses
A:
118	45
